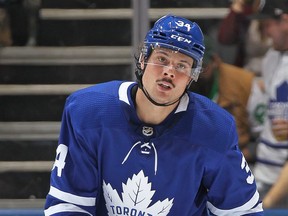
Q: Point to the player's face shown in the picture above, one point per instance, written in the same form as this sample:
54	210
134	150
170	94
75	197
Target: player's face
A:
167	74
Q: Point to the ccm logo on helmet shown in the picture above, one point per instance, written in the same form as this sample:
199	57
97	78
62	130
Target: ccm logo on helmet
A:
178	38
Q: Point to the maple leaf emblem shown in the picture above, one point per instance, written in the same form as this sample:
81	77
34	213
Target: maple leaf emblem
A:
137	197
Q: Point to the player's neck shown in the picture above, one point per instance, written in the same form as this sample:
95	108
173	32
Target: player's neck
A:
150	113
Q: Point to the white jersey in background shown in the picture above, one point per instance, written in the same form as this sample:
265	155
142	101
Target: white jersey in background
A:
272	153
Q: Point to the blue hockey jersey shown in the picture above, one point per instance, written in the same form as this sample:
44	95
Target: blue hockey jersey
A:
108	162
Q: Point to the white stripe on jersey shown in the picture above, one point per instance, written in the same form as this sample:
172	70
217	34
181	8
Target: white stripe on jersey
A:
241	210
123	94
70	198
64	207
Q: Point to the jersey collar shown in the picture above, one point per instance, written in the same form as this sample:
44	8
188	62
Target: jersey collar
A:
125	96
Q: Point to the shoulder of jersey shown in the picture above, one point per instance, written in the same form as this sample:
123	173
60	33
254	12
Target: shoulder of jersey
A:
108	88
211	124
202	104
94	103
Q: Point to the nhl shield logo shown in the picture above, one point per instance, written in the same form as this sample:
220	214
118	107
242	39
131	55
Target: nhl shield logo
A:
147	131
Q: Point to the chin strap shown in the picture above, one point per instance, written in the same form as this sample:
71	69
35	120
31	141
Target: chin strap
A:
156	103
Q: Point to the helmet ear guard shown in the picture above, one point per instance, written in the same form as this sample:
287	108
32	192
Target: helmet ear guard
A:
196	71
139	71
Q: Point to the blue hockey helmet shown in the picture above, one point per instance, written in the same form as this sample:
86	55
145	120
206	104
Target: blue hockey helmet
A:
179	34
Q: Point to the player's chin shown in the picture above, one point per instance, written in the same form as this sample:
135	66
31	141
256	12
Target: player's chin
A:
160	99
167	100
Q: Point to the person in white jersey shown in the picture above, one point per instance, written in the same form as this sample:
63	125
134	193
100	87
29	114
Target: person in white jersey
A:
272	150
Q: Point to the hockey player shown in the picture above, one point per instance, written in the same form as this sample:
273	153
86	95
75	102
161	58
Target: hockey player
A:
151	147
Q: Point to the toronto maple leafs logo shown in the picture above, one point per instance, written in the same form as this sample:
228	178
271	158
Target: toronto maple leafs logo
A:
136	198
278	108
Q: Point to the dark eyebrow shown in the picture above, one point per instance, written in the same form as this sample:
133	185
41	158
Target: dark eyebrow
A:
162	52
184	61
166	54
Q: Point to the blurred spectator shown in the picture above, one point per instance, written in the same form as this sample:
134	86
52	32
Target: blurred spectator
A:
279	190
18	22
248	36
229	86
257	110
272	150
5	31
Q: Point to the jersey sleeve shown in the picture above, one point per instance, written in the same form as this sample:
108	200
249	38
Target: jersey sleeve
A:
74	176
231	185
